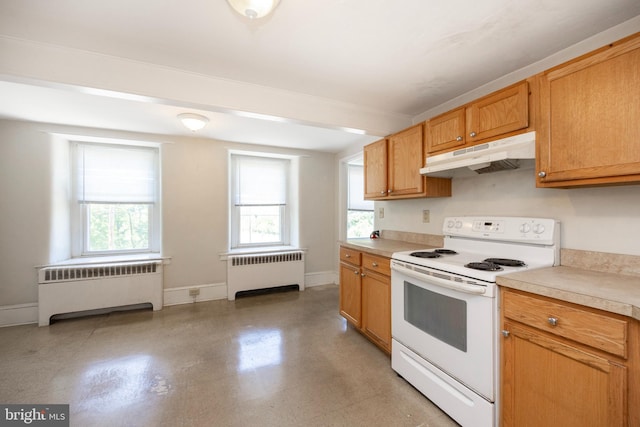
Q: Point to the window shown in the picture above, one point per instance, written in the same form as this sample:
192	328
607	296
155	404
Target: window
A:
359	211
116	198
259	201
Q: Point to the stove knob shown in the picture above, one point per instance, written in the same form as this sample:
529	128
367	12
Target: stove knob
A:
458	224
525	228
450	224
538	228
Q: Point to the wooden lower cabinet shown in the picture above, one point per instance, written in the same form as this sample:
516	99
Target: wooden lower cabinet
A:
376	309
350	293
549	379
365	295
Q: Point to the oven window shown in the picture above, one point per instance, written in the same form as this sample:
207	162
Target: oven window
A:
440	316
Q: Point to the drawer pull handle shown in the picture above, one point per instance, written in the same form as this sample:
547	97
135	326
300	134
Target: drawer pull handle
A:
374	264
347	256
553	321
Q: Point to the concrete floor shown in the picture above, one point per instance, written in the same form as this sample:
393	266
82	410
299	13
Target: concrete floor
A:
285	359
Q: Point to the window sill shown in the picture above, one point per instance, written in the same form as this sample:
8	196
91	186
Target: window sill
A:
110	259
259	250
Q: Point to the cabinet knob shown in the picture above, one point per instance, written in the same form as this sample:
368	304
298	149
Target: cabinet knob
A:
553	321
389	191
472	134
505	333
362	275
542	174
459	138
374	264
347	255
383	192
356	272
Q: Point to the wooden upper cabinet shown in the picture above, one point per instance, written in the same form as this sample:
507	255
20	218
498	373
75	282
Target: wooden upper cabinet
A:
589	132
446	131
501	113
405	160
392	168
375	170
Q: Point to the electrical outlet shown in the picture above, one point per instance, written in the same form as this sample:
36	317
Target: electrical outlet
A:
380	213
194	292
426	216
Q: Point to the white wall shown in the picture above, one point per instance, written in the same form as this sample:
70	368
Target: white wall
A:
603	219
34	226
25	213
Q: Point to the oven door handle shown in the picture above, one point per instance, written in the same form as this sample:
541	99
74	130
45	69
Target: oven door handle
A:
456	286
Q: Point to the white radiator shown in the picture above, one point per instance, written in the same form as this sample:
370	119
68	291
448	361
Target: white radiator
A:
69	289
251	272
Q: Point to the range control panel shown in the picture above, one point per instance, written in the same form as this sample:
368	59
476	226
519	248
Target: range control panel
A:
511	229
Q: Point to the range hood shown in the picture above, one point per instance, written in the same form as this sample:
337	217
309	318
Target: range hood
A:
494	156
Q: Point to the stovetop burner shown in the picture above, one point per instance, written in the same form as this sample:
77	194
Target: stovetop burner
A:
446	251
425	254
484	266
436	253
506	262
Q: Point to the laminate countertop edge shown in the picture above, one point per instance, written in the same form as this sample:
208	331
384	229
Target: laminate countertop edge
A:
383	247
614	293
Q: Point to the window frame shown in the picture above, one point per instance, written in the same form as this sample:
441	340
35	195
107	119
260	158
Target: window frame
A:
235	210
356	163
79	212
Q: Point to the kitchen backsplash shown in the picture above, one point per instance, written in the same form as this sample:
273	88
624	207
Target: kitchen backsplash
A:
420	238
601	261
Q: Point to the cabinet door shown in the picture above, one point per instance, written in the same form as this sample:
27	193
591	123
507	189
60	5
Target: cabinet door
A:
405	160
550	382
375	170
350	293
445	132
590	119
376	308
501	112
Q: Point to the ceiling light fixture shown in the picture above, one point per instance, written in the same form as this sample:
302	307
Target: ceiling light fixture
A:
254	9
192	121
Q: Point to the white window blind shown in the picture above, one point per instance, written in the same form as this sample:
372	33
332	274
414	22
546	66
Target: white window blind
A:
356	201
260	181
116	174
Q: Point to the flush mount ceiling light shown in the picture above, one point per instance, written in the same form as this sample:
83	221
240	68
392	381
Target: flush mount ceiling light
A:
254	9
192	121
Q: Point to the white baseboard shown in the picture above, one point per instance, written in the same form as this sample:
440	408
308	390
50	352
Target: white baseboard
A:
175	296
22	314
320	278
19	314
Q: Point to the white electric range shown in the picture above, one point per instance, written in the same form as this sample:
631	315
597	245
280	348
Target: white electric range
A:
445	308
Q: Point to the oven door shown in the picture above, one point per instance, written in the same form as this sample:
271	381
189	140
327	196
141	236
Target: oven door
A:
451	325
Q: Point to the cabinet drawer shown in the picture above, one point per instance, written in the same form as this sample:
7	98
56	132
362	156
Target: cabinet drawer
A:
376	263
587	327
350	256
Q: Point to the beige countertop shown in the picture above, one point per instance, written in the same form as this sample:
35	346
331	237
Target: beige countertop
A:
384	247
612	292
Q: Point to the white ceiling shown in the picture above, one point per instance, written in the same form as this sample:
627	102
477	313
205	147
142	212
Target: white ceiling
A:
378	58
